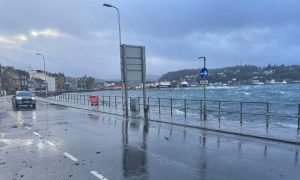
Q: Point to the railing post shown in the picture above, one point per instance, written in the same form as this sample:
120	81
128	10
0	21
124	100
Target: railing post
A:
298	116
77	98
171	107
158	105
98	99
139	103
184	107
201	109
241	112
123	108
88	99
103	101
109	101
267	115
148	105
219	111
116	101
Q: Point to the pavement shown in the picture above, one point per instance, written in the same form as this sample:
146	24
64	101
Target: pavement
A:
61	142
273	132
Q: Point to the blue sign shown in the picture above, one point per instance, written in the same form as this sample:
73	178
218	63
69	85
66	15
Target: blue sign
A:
203	73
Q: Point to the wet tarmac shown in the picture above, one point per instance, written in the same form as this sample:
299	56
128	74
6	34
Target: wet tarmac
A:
56	142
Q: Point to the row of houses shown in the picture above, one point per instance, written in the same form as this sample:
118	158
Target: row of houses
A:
12	80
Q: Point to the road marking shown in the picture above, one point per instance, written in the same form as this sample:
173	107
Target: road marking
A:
28	127
37	134
49	142
99	176
70	156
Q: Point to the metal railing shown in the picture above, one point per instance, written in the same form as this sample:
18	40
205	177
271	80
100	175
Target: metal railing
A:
193	109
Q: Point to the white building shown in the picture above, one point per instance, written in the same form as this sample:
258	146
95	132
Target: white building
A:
38	74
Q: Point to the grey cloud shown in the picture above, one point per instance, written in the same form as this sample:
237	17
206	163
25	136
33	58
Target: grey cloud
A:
175	33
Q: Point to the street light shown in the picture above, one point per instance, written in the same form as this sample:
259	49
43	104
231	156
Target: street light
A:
40	54
119	21
122	63
204	86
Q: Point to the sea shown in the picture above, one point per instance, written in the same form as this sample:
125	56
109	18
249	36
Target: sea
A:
276	103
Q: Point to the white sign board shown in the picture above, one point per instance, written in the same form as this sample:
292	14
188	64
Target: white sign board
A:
133	64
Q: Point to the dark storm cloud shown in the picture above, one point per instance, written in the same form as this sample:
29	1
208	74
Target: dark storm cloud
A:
84	34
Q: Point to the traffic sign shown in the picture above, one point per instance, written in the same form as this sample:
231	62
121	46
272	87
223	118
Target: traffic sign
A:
203	73
203	82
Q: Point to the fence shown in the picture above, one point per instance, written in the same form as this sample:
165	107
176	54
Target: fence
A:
243	112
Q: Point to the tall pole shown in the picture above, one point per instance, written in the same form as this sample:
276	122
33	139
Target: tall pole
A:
204	89
40	54
122	62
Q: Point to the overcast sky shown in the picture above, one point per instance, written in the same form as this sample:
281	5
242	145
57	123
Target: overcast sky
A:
80	37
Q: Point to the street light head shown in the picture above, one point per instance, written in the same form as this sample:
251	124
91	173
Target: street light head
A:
39	54
201	57
107	5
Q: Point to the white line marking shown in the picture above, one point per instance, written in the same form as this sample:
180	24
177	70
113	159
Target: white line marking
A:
37	134
49	142
28	127
100	176
70	156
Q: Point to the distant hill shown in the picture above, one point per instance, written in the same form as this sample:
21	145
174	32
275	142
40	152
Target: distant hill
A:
238	74
152	77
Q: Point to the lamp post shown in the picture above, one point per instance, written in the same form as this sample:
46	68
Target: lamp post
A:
204	89
119	21
40	54
122	62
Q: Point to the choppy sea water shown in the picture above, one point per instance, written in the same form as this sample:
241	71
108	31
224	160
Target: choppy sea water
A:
280	101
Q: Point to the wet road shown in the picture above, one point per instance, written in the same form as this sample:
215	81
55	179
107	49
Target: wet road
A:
56	142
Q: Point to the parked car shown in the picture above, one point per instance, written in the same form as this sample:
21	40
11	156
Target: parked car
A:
24	98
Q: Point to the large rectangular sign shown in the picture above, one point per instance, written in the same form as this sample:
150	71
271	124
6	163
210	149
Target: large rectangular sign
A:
133	66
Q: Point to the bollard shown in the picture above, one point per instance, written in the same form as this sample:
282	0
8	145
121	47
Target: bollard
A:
267	115
241	112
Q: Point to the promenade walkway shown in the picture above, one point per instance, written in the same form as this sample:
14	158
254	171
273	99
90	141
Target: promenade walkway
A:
250	129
